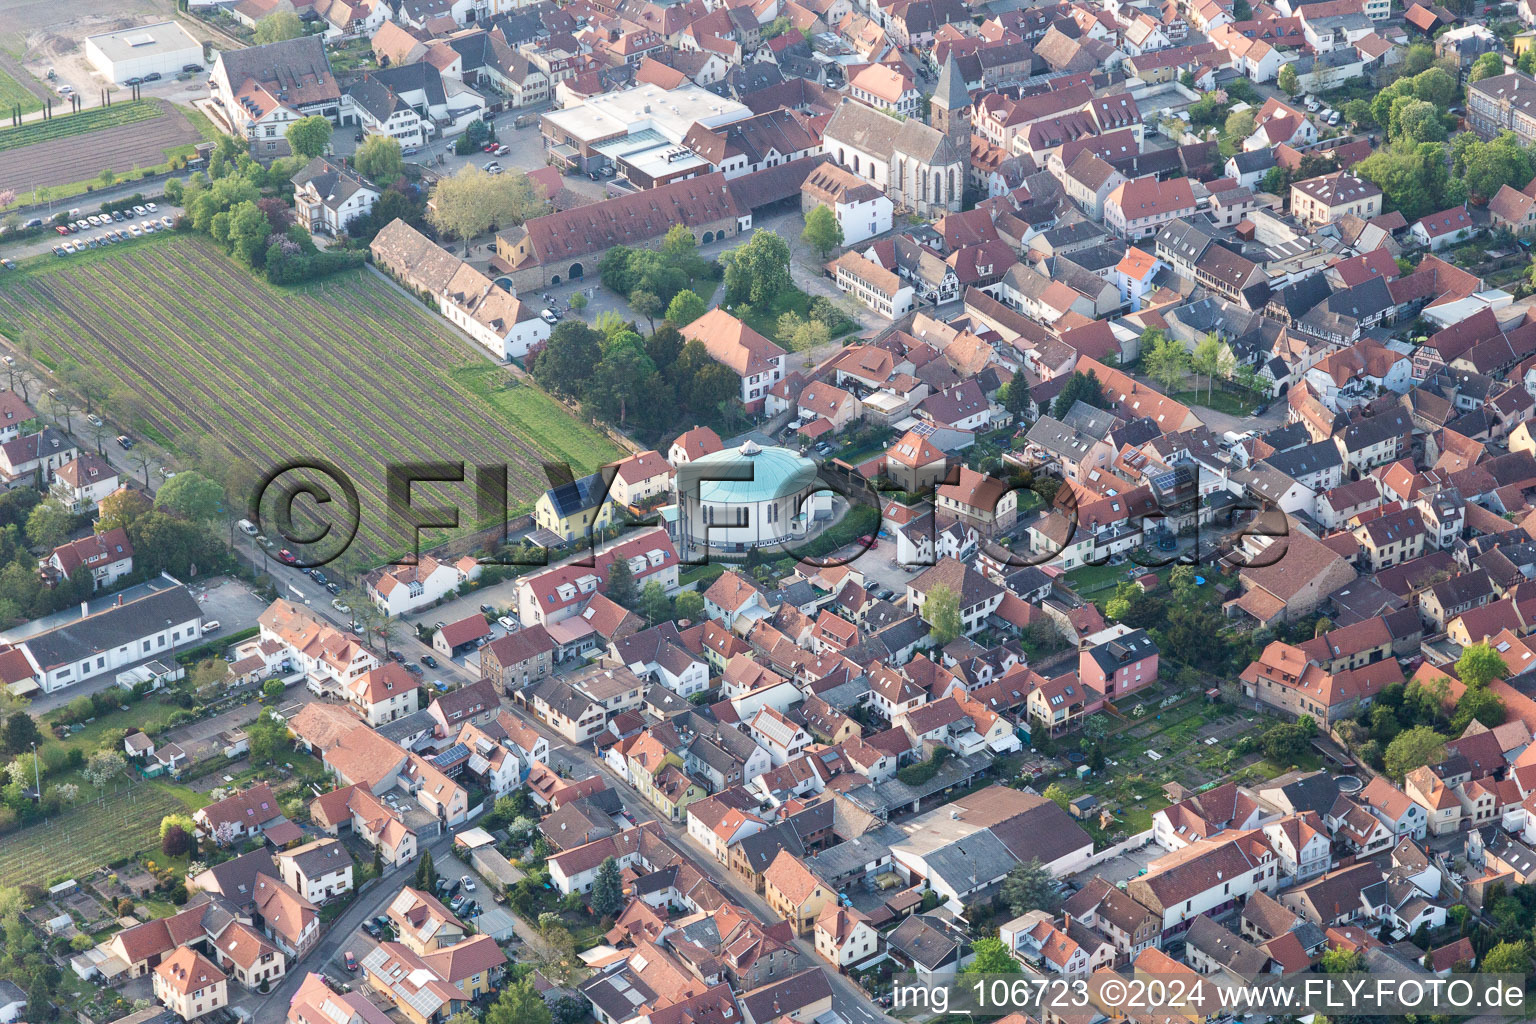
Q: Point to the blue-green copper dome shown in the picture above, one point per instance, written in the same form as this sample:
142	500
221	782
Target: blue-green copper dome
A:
775	472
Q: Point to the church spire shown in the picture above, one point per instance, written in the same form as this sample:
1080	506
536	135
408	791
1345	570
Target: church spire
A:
950	103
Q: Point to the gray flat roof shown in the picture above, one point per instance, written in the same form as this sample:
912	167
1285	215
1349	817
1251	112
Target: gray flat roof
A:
145	40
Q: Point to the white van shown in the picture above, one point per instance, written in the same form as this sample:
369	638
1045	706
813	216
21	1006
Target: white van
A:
248	528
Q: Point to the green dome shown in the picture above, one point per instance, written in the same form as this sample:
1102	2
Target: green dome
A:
776	472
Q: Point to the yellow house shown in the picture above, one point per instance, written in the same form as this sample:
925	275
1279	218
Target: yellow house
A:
794	893
1523	42
474	967
575	509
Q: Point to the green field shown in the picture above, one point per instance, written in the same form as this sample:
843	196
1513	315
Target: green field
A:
64	126
350	371
13	92
125	823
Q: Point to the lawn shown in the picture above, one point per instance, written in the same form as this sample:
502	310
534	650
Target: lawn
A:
349	371
1221	401
765	319
13	92
149	714
124	824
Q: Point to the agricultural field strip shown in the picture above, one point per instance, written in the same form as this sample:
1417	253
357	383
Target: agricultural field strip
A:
169	369
87	837
65	126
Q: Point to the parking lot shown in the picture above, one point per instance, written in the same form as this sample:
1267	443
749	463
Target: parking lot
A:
96	230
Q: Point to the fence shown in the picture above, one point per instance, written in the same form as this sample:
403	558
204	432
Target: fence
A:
1125	846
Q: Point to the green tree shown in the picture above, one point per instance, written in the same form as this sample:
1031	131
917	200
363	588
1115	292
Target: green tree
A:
1489	65
1287	80
941	610
685	308
1057	795
519	1003
648	305
1167	363
170	821
39	1006
49	524
1341	961
1240	124
19	733
268	737
992	957
274	28
1358	113
655	605
473	202
758	271
568	359
621	588
607	890
800	334
426	873
192	496
1419	58
1080	387
822	231
379	159
1211	359
1413	748
1507	958
1481	704
689	605
1419	121
272	689
308	137
1501	161
1030	886
1479	665
622	379
1015	397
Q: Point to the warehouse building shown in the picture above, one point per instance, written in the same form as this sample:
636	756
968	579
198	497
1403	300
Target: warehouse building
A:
163	48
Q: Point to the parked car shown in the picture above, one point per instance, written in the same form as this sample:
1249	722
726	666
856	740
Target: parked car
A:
507	622
133	229
351	960
439	625
150	207
153	76
414	669
124	442
93	420
486	609
119	216
333	587
382	920
502	150
169	474
467	882
397	656
287	557
139	211
429	661
61	229
373	930
191	69
211	626
339	606
549	316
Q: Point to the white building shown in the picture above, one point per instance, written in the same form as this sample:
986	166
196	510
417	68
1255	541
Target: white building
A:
163	48
83	481
779	500
860	209
400	589
327	197
103	643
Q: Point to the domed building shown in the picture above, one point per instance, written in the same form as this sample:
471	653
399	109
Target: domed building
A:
778	499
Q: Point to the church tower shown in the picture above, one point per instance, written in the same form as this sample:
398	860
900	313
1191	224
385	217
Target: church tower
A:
950	107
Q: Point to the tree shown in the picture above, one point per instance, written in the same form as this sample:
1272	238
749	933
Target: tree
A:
519	1003
685	308
426	874
102	767
1015	398
473	202
170	821
1480	664
568	359
49	524
1080	387
1340	960
577	302
1481	704
1358	113
655	605
801	334
688	605
621	381
648	305
1167	363
272	689
1030	887
1240	124
1287	80
1211	359
39	1006
1487	66
822	231
379	159
1413	748
992	957
607	890
268	737
620	588
19	733
941	611
1057	795
175	842
192	496
759	270
1418	121
1507	958
308	137
274	28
